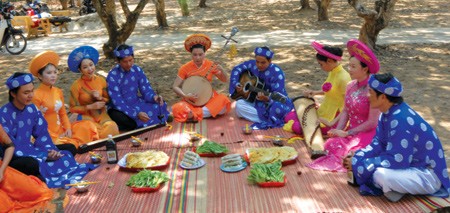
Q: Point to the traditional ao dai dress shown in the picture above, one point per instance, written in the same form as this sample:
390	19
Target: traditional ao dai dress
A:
81	95
362	122
21	125
215	105
52	99
272	113
403	140
131	93
333	101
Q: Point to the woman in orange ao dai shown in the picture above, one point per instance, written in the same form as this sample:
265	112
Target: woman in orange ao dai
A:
50	101
88	94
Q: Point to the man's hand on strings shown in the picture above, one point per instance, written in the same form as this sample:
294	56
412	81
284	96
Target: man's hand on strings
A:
262	97
239	88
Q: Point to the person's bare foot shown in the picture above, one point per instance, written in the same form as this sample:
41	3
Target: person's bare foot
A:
190	118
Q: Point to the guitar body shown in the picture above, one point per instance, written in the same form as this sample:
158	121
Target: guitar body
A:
248	82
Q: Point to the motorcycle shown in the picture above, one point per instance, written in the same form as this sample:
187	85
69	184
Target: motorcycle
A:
13	39
88	7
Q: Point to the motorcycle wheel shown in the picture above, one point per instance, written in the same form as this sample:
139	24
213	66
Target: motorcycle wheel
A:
83	11
16	44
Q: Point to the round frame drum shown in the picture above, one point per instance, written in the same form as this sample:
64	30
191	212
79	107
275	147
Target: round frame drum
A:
200	86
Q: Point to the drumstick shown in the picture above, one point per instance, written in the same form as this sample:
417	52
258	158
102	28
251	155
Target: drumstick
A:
160	116
274	137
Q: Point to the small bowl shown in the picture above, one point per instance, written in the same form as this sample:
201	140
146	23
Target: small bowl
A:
135	143
82	188
247	131
277	140
194	137
95	159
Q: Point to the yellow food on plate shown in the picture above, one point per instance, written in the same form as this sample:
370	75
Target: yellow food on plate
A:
270	155
140	160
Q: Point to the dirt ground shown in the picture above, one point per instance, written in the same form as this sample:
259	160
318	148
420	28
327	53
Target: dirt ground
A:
422	68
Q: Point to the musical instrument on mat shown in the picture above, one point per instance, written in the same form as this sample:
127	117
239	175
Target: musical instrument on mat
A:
199	85
102	142
307	114
251	85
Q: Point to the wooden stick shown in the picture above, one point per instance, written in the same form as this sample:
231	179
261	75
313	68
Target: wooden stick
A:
95	155
274	137
137	139
82	183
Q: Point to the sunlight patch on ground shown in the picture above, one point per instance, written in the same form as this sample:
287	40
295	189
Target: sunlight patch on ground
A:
300	203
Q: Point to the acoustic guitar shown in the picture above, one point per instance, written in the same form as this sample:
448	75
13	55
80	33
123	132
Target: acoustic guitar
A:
251	85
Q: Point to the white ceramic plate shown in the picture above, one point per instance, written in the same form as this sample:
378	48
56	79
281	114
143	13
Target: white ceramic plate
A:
199	164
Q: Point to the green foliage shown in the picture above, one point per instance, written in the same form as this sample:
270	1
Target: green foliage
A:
147	178
261	173
211	147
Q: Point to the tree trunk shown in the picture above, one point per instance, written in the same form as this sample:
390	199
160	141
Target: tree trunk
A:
374	20
184	7
117	34
160	13
202	4
64	4
304	4
322	9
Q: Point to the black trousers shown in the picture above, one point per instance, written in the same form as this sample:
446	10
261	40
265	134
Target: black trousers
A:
69	147
122	120
26	165
30	166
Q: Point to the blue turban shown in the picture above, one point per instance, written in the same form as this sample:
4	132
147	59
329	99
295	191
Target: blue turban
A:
14	82
264	52
392	88
124	53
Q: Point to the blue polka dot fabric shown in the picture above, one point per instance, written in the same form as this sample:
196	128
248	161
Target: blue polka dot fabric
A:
403	140
270	113
23	125
130	92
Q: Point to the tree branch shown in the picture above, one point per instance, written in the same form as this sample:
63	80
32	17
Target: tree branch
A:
131	19
124	5
361	11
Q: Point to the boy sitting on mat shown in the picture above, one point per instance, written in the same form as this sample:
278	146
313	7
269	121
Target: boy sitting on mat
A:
268	109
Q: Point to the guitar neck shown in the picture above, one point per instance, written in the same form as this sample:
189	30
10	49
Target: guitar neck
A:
275	95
